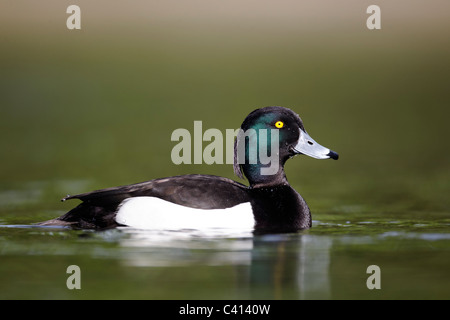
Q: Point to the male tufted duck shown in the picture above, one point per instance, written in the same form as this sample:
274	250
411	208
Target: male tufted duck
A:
268	204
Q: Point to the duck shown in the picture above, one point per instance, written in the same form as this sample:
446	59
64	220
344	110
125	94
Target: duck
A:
268	204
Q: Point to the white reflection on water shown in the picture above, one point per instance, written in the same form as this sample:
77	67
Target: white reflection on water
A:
314	265
273	264
151	248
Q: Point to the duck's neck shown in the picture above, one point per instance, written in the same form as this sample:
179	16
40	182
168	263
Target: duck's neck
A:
259	175
279	209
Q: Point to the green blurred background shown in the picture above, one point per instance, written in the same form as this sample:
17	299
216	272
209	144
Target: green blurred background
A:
94	108
99	104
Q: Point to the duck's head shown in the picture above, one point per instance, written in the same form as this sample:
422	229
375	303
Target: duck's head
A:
267	138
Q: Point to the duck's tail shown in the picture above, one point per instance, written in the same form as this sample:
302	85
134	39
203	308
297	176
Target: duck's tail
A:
86	216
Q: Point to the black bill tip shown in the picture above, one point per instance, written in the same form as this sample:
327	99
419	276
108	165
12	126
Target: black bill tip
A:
333	155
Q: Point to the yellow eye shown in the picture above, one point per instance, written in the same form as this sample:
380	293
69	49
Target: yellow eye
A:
279	124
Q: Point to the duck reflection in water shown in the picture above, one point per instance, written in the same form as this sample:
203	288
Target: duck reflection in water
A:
272	266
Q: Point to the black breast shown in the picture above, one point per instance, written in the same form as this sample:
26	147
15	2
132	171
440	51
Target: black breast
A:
279	209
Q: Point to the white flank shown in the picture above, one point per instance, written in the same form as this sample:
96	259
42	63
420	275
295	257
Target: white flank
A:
154	213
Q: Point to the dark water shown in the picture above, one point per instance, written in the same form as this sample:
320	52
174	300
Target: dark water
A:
329	261
96	109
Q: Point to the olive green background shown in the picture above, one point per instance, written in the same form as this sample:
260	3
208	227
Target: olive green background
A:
94	108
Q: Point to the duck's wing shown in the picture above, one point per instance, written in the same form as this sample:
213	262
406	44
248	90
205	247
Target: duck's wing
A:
195	191
98	209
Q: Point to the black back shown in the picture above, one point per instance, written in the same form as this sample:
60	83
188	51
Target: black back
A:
98	209
194	191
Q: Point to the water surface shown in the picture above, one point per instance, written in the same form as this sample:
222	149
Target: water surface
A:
329	261
93	109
